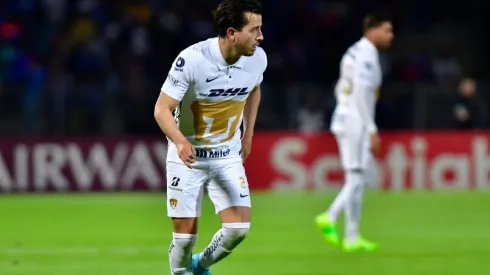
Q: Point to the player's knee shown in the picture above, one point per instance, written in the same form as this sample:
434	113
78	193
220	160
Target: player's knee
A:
185	225
239	234
354	177
355	171
235	233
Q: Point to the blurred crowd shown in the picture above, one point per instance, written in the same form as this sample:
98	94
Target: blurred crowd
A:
94	66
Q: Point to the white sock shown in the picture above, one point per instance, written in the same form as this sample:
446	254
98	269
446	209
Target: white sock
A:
353	215
223	243
353	178
180	253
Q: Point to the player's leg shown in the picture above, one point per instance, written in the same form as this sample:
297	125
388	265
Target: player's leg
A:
350	148
230	194
353	206
353	215
353	239
184	197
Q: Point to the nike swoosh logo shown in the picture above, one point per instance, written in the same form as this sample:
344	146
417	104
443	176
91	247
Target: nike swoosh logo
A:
243	196
209	80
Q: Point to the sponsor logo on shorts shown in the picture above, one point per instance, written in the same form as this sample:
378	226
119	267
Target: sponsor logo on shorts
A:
243	183
173	203
212	153
174	184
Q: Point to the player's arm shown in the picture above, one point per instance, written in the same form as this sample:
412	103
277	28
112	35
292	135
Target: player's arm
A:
173	90
363	84
251	109
253	100
164	108
250	112
249	118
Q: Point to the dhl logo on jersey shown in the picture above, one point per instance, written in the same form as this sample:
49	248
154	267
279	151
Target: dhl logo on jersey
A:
227	92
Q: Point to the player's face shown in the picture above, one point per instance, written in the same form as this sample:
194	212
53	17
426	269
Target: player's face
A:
384	35
250	36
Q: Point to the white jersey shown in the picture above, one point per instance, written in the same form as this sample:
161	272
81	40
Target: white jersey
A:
358	86
212	95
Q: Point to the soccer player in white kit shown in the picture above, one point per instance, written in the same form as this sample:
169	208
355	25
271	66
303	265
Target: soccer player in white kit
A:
212	87
355	130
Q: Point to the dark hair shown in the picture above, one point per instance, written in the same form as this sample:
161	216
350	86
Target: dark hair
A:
231	14
375	20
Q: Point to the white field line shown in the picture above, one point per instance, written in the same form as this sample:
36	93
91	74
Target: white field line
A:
127	250
81	250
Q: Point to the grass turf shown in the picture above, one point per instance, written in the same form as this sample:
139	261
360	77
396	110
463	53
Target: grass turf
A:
116	234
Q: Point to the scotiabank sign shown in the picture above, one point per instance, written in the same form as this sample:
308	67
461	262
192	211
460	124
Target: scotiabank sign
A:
82	164
409	160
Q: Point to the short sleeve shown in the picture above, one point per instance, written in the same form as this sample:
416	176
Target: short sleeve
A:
263	62
261	78
180	76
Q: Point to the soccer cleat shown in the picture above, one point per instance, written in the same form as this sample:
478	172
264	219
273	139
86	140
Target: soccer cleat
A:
329	228
359	244
196	268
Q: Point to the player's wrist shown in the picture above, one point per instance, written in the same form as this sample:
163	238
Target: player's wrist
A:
248	134
180	140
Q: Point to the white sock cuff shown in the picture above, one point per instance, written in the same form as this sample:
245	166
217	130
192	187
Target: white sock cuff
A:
237	225
183	236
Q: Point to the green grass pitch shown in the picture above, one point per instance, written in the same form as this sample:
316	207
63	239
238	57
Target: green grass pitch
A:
116	234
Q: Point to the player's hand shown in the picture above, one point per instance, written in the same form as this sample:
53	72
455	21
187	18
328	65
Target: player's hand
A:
375	143
246	148
187	153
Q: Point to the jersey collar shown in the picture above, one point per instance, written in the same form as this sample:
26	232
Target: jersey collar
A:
368	43
220	60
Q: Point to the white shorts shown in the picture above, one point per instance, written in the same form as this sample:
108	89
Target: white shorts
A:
354	149
353	142
225	180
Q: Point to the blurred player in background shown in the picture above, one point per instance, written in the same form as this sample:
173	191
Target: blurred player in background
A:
212	86
355	130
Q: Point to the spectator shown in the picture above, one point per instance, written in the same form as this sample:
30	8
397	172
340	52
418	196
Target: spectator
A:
469	110
311	117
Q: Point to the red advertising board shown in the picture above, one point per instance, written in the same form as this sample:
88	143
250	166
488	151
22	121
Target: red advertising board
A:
409	160
279	160
82	164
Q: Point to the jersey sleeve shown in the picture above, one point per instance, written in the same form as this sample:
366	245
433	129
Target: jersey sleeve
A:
263	61
259	81
364	69
180	76
364	82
